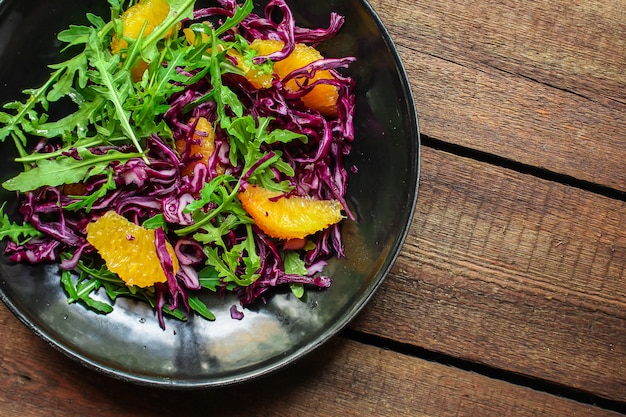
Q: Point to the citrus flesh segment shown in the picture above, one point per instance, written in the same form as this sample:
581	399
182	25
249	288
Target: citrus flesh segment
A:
288	217
322	97
203	144
128	250
149	13
192	39
257	78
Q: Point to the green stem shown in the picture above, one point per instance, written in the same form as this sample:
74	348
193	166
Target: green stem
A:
48	155
111	277
33	99
115	157
56	128
19	146
172	19
210	216
117	103
92	285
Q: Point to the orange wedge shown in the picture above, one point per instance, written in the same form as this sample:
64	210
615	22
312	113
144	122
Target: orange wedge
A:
149	13
290	217
203	144
322	97
128	250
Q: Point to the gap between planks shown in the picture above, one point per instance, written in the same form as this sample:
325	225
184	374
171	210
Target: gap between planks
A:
542	173
487	371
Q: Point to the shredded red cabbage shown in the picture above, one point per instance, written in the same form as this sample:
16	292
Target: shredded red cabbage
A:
148	188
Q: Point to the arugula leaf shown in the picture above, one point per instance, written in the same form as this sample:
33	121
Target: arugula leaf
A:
68	284
81	143
114	291
74	67
224	198
248	54
115	6
149	99
75	35
97	21
237	18
81	290
177	313
212	234
242	258
209	278
208	192
86	202
19	234
294	264
297	289
116	85
248	137
90	280
199	307
155	222
16	125
76	124
65	170
224	265
97	305
224	96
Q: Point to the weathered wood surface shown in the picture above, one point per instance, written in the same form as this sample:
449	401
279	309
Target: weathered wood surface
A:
514	272
542	83
344	378
506	267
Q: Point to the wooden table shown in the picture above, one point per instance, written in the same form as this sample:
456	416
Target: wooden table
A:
509	296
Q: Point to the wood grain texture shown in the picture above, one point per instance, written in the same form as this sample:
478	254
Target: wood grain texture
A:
500	268
515	272
541	83
343	378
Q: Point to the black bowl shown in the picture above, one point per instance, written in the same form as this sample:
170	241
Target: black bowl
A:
128	343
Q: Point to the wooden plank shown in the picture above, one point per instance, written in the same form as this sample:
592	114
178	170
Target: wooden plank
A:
514	272
563	44
542	83
341	378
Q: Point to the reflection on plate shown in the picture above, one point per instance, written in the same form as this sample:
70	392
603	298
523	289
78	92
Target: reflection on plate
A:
199	353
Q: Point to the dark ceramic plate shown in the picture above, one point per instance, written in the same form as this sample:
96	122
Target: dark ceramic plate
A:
128	343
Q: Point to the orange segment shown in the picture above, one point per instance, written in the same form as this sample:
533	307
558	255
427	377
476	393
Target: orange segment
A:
258	79
288	217
263	47
203	144
190	36
77	188
139	69
128	250
148	12
266	46
323	97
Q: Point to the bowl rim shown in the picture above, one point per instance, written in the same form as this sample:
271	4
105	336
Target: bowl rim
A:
335	327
